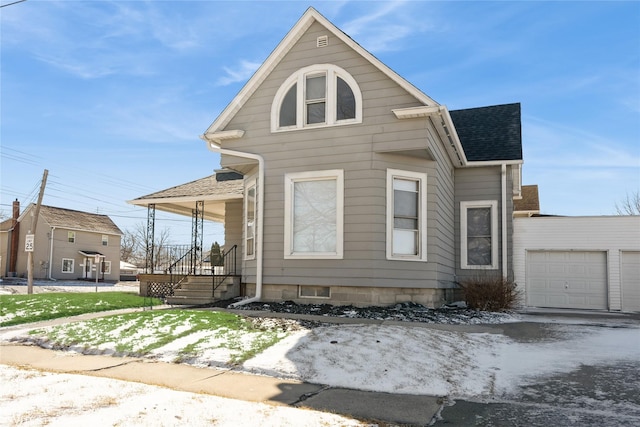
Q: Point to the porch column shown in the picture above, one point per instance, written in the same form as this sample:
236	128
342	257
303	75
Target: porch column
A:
151	226
197	227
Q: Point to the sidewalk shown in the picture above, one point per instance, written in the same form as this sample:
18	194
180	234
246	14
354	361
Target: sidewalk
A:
394	408
404	409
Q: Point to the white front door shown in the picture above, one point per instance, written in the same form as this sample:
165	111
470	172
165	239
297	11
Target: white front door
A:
87	268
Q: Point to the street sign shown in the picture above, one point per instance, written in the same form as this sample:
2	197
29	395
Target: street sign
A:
28	242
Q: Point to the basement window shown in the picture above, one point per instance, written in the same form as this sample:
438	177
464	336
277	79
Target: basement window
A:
314	291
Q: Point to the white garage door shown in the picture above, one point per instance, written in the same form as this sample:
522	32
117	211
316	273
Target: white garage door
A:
567	279
630	276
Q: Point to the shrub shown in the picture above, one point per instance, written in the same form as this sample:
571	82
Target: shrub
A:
490	293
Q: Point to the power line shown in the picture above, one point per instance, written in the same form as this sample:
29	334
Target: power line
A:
12	3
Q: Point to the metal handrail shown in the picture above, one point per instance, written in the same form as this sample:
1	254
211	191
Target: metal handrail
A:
174	271
228	268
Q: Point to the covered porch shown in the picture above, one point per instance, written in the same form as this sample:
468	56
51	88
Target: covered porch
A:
187	273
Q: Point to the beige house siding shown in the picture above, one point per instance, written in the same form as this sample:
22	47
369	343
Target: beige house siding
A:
63	249
51	243
480	184
350	148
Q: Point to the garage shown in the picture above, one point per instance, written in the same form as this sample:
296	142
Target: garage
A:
630	277
567	279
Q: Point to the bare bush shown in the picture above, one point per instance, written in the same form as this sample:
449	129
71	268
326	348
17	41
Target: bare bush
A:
490	293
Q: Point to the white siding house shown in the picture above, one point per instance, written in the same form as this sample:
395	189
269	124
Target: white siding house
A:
579	262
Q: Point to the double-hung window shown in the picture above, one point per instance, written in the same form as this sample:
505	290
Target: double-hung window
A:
406	215
67	265
479	234
250	209
315	96
314	206
71	236
106	267
105	240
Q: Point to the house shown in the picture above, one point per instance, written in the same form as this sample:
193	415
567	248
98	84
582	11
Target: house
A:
528	204
68	245
352	186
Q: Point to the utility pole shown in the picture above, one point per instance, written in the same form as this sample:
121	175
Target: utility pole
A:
34	223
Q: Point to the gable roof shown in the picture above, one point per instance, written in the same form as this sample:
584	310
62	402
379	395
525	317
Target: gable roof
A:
308	18
75	220
6	225
489	133
530	201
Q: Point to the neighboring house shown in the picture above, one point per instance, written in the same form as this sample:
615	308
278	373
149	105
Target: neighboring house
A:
5	232
358	188
587	262
528	204
68	245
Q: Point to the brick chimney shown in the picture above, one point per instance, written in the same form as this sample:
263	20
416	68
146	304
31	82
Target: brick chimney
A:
15	239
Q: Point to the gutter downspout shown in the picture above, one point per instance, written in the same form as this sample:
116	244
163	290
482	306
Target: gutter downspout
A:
214	146
53	229
504	220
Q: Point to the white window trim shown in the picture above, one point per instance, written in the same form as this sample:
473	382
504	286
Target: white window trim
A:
107	267
71	235
73	264
289	180
105	240
464	206
249	184
422	218
332	72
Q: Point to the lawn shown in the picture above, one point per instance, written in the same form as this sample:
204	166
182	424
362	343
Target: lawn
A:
182	334
20	309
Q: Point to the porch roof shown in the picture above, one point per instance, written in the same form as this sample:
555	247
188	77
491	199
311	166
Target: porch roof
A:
182	198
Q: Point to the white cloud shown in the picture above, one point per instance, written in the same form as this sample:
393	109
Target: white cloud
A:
551	145
385	25
244	71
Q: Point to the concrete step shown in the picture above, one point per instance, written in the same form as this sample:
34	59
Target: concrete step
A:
178	300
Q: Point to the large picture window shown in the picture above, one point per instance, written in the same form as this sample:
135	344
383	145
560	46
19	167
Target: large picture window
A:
314	204
406	215
319	95
478	233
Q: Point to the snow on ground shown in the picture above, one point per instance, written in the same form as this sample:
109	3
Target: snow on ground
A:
34	398
412	360
46	286
388	358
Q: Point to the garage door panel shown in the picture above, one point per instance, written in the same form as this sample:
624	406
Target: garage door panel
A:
630	276
567	279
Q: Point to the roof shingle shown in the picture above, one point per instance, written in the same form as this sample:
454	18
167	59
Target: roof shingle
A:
490	133
67	218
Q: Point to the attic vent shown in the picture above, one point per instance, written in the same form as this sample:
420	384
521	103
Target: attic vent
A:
322	41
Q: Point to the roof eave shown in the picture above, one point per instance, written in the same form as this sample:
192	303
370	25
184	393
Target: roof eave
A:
308	18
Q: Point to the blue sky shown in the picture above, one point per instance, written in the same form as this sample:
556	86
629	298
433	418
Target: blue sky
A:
111	96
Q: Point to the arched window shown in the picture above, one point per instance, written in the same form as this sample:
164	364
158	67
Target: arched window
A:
316	96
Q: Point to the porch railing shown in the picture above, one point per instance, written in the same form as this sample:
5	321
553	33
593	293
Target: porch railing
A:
226	270
183	266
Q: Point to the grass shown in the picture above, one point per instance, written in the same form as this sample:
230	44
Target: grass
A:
20	309
190	333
